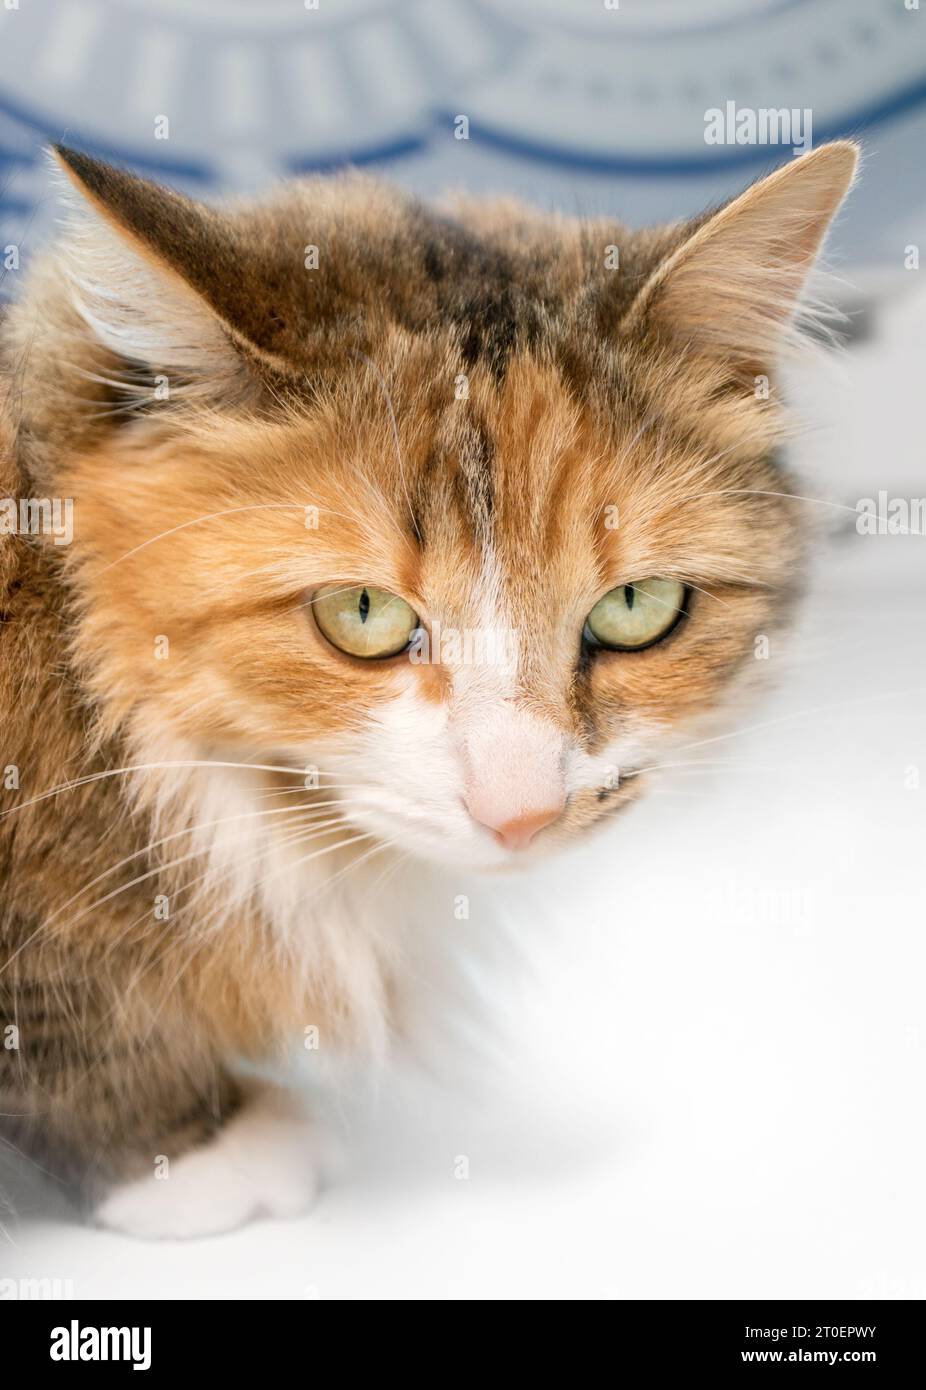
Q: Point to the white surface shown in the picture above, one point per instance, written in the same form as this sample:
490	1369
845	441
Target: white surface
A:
699	1070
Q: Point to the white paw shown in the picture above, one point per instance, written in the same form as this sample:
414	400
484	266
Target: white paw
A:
262	1163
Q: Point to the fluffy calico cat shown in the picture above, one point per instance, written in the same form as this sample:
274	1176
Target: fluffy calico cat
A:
395	530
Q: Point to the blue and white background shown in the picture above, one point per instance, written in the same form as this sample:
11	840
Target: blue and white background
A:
573	103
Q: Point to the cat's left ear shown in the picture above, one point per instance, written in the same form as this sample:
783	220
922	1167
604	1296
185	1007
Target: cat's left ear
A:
162	281
733	287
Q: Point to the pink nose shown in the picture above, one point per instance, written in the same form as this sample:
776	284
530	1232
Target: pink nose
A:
518	832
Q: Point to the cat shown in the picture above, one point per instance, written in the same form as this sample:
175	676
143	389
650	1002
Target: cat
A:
396	530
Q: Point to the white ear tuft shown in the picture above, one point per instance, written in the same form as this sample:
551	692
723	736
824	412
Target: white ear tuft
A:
135	302
137	310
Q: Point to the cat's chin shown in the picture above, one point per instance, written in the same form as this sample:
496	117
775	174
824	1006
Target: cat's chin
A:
480	855
501	863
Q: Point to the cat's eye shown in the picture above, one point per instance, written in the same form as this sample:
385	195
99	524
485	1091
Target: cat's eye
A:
364	621
635	615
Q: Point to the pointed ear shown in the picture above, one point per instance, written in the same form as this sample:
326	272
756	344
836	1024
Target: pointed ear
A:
734	285
158	278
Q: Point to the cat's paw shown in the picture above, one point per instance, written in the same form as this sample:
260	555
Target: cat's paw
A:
262	1163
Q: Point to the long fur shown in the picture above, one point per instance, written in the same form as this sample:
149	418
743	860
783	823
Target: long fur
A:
466	407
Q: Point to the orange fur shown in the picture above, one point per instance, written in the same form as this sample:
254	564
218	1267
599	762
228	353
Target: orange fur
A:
589	394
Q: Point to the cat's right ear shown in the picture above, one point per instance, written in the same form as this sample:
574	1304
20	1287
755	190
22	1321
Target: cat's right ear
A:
158	279
733	287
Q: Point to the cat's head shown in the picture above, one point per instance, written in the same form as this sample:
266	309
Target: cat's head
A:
467	516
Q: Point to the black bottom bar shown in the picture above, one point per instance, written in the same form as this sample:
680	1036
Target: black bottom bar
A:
165	1338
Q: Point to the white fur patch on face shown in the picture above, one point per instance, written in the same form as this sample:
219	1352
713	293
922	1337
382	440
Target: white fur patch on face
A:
264	1162
405	783
422	771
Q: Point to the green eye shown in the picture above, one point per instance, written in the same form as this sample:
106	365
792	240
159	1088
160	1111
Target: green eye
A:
364	621
635	615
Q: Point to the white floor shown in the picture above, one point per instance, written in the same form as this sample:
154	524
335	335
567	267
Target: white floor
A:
705	1075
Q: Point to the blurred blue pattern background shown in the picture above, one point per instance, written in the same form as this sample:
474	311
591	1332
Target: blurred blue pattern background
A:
579	104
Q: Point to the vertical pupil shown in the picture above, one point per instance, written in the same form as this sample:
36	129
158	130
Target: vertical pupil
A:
629	592
364	606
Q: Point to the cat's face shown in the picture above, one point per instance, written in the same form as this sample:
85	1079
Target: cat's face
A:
498	524
470	599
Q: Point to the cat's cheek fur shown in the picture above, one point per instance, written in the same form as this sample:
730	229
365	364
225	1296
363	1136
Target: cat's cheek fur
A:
263	1162
319	944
